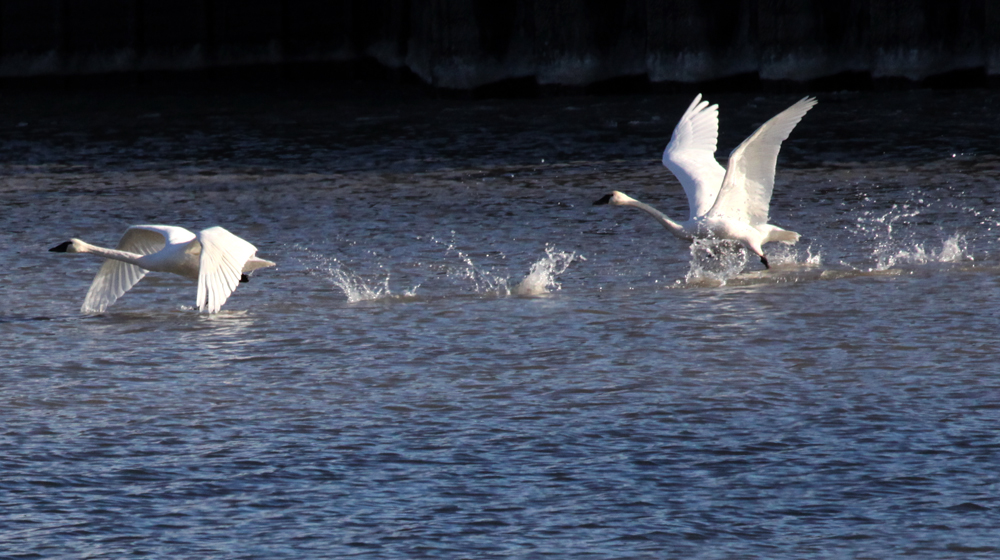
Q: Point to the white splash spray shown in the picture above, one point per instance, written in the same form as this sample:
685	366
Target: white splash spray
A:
813	260
893	246
483	281
714	261
355	287
953	249
541	279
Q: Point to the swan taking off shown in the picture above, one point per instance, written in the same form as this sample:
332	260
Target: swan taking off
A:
217	259
729	203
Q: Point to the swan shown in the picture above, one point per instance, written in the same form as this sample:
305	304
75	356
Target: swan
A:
215	258
730	203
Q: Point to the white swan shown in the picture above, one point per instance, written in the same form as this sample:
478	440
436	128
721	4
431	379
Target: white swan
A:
727	203
217	259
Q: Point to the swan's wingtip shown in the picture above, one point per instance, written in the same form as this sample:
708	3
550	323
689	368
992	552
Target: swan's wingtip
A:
700	104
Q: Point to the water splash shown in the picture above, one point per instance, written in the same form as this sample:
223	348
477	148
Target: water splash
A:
880	228
894	245
813	260
715	261
354	286
483	281
953	249
541	279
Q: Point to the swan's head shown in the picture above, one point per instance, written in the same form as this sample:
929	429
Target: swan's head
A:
71	246
616	198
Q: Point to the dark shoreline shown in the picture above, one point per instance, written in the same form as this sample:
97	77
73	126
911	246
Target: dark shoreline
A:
520	48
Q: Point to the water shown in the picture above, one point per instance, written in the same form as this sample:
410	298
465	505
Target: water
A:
458	356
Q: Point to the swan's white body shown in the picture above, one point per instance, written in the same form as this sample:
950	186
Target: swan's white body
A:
215	258
726	203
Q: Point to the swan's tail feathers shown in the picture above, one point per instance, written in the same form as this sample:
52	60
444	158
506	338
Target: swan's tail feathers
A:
251	265
775	233
254	263
785	236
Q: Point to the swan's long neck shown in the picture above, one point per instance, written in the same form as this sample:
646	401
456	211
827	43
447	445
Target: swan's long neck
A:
124	256
672	226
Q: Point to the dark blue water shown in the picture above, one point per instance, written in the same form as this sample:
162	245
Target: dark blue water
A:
458	356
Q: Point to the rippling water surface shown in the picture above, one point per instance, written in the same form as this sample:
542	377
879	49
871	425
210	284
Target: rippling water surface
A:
458	356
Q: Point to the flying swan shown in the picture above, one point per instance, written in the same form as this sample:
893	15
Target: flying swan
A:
729	203
217	259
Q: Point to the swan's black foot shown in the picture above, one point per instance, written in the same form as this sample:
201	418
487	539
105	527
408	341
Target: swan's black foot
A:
763	260
244	278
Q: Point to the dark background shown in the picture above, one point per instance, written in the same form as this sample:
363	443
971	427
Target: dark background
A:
509	46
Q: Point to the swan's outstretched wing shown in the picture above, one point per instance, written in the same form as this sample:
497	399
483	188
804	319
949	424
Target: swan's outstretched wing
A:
690	155
222	258
746	190
116	277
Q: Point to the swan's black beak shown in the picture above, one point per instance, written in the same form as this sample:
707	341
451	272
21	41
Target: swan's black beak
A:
763	261
244	278
603	200
60	248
